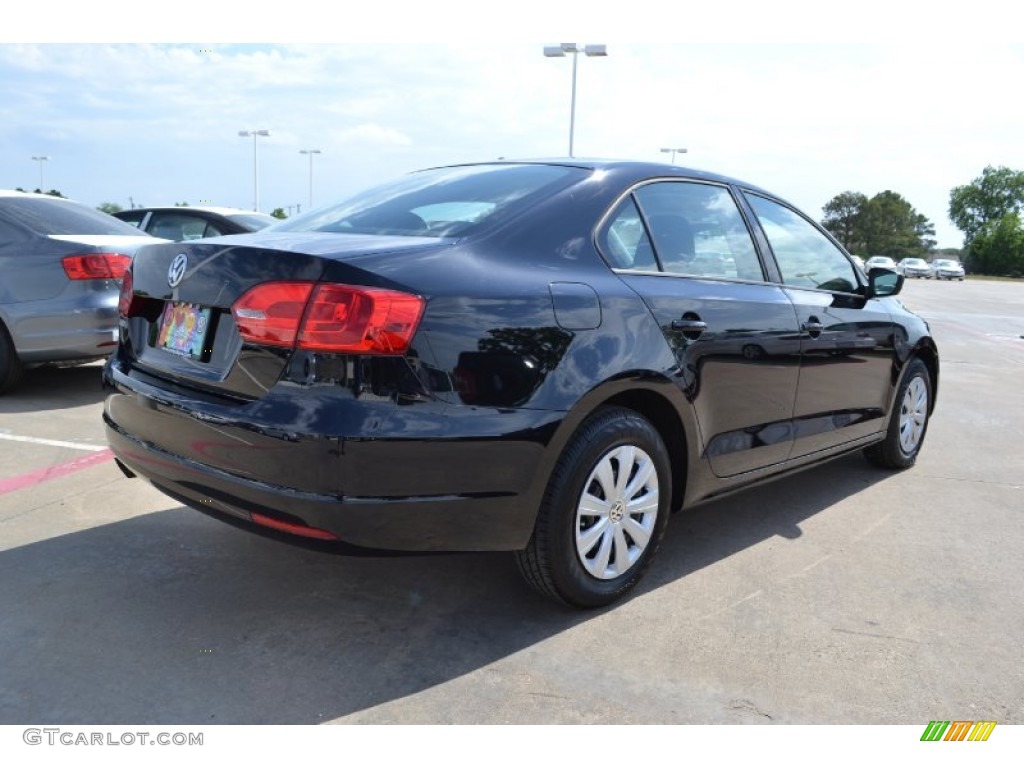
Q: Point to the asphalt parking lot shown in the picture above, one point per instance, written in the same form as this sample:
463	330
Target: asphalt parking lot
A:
842	595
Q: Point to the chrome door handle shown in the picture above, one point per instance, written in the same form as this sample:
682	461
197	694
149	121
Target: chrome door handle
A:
689	325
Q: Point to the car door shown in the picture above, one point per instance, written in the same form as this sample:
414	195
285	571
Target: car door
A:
847	341
684	247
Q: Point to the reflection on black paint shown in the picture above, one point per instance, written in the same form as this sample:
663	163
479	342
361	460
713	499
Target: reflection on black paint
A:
509	365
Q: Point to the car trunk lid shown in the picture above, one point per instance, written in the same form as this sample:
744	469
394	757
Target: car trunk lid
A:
182	328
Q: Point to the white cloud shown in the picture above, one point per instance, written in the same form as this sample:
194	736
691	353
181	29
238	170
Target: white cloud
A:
805	120
372	134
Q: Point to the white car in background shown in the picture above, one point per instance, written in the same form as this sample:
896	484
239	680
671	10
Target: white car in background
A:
879	261
912	267
948	269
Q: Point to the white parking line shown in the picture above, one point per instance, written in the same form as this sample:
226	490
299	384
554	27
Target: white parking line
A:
55	443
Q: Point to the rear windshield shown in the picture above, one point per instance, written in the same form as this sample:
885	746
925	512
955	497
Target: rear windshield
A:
252	221
443	202
61	217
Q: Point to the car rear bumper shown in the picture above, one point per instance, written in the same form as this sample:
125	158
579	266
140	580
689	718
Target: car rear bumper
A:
66	328
386	492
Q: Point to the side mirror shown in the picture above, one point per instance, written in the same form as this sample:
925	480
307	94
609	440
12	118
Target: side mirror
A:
883	282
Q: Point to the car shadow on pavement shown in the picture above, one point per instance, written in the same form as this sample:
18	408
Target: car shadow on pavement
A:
174	618
52	388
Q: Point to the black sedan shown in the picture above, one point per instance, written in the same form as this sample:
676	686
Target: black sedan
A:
180	222
542	357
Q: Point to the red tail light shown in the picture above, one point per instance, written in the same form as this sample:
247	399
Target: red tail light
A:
271	313
329	317
124	300
96	266
360	321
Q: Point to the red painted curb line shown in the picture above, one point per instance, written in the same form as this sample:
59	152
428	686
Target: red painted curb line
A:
51	473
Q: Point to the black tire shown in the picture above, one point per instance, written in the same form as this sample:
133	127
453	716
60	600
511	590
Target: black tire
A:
908	422
10	364
565	551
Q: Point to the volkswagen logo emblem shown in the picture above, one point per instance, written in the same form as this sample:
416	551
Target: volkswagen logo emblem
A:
176	272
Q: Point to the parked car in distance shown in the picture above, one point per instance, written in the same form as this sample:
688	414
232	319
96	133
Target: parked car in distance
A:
195	222
61	264
546	357
880	262
948	269
858	261
912	267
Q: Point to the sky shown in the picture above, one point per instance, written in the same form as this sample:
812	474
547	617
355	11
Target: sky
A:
805	106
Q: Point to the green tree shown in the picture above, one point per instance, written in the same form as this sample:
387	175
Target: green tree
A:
997	192
884	225
109	208
891	227
842	219
998	247
278	213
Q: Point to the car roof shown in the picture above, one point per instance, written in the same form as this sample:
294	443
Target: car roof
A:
37	195
203	208
638	169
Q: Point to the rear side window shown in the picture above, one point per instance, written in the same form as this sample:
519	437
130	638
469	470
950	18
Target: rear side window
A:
624	239
684	228
59	217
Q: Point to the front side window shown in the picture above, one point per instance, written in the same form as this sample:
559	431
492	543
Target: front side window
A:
806	257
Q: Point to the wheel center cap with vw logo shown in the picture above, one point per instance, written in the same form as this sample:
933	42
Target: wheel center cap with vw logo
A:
176	272
618	510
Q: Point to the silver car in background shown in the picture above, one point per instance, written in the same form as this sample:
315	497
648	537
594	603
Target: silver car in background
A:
912	267
880	262
948	269
61	263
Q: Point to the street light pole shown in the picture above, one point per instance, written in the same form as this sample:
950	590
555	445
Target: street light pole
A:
559	51
310	152
255	162
40	159
674	150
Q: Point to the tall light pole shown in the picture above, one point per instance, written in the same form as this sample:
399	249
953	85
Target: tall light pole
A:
40	159
553	51
255	162
674	150
310	152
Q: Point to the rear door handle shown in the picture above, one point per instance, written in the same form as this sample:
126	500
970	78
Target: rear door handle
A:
691	325
698	326
813	328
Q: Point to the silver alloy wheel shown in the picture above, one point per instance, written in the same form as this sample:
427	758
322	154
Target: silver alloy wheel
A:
913	414
616	512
